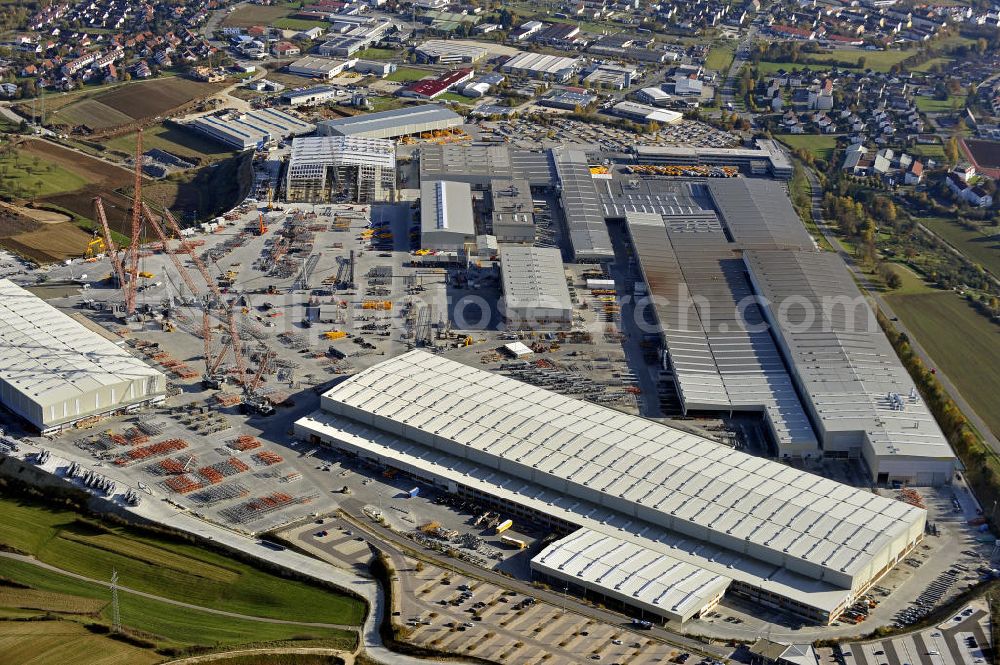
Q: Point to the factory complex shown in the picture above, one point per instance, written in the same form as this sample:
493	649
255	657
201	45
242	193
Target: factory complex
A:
647	496
391	124
55	372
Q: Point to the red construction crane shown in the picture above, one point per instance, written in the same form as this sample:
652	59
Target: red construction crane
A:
131	262
110	248
265	360
211	365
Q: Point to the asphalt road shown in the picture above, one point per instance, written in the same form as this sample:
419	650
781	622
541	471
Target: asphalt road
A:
946	383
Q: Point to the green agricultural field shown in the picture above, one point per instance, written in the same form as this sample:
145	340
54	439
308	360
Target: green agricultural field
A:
408	74
170	569
250	15
32	176
165	624
982	247
58	642
820	145
720	57
962	342
385	103
185	143
298	24
932	105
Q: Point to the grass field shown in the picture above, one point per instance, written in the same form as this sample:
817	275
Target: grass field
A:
298	24
932	105
376	54
720	57
454	97
820	145
933	151
164	624
184	143
879	61
249	15
980	247
172	570
58	642
407	74
962	342
27	174
926	67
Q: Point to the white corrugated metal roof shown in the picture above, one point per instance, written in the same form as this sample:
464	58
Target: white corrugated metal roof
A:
48	357
680	478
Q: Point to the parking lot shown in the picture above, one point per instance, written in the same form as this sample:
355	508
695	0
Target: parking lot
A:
962	639
559	131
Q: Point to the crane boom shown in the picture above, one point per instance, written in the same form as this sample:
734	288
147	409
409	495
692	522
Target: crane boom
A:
265	359
132	254
111	248
234	334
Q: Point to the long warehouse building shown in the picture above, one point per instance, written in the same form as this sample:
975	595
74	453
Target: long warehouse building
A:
775	535
55	372
394	123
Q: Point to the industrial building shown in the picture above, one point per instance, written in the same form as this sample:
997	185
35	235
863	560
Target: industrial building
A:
446	221
320	68
245	131
355	38
719	356
568	99
391	124
645	113
314	95
433	87
325	168
561	170
720	258
540	65
535	293
765	158
647	497
511	211
55	372
861	399
449	52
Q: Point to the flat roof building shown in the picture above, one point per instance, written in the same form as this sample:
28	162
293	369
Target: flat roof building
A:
245	131
512	211
355	39
325	168
55	372
315	95
765	158
446	221
535	293
390	124
862	400
782	537
540	65
320	68
646	113
449	52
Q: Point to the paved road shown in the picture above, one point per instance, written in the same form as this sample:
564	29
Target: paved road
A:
169	601
970	413
394	545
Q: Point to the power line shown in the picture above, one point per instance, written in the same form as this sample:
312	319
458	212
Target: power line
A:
116	621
